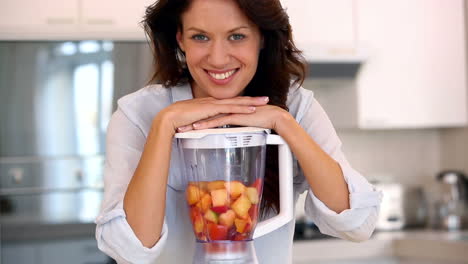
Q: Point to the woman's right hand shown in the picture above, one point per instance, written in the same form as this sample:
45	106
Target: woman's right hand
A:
181	115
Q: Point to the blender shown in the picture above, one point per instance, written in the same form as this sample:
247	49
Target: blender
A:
223	182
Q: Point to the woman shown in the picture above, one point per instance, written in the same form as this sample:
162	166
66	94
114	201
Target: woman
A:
221	62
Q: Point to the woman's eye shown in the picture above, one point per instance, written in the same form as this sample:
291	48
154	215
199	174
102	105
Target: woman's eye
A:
237	37
200	37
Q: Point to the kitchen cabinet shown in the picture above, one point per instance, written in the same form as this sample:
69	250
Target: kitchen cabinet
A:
121	17
72	19
324	29
18	253
415	75
28	16
79	251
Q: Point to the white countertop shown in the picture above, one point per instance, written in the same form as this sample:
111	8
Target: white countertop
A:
428	246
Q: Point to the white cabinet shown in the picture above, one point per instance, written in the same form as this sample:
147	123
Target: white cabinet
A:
324	29
72	19
119	16
27	16
415	75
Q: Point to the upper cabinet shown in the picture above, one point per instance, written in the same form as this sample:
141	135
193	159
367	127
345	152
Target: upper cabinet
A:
27	16
415	75
72	19
324	29
120	16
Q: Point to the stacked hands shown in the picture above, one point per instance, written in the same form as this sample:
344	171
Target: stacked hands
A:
208	112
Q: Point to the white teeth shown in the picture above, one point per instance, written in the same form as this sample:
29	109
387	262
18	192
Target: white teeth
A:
222	76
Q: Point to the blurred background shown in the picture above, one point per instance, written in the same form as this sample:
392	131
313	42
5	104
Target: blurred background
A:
392	76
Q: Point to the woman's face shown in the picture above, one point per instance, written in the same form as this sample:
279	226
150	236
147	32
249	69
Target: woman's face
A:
221	47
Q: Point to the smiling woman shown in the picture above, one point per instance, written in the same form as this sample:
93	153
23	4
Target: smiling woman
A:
222	62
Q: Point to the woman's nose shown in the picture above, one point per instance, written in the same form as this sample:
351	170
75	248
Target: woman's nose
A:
218	55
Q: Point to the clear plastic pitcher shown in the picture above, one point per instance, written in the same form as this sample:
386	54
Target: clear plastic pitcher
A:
224	171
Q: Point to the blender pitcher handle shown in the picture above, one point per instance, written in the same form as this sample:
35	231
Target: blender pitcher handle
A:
286	212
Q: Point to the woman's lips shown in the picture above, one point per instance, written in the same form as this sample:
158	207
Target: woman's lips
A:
221	77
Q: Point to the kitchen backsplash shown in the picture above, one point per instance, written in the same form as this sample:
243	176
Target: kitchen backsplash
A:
454	149
407	156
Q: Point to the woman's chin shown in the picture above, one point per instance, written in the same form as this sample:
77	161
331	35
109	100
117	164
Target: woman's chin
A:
225	94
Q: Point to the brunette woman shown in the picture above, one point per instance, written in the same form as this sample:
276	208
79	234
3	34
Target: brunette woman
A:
220	62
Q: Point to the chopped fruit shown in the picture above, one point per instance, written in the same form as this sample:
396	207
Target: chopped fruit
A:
194	212
201	236
205	202
258	184
240	237
193	194
241	206
235	188
219	197
252	194
211	216
217	232
203	185
220	209
243	225
253	212
215	185
198	224
227	219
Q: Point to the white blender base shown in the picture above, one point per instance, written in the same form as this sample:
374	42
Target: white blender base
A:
225	252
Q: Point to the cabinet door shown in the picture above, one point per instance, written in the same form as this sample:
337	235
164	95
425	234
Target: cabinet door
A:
117	19
322	25
82	251
415	75
14	253
36	16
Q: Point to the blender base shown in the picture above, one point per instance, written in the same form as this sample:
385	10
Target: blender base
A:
225	252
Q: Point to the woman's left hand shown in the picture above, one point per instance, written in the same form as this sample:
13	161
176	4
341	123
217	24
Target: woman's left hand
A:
267	116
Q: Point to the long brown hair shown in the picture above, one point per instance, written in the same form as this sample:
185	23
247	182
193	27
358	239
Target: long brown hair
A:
280	63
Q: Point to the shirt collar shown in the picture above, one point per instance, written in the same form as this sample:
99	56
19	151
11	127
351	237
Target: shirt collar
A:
182	92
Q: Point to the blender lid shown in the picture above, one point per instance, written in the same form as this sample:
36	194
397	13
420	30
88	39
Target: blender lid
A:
195	134
220	138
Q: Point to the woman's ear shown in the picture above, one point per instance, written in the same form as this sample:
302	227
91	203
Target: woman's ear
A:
179	40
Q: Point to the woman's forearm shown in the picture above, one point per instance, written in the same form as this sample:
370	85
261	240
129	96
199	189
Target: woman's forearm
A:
145	199
322	172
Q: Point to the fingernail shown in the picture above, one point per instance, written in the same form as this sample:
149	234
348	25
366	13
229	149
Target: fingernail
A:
195	125
252	108
180	128
265	98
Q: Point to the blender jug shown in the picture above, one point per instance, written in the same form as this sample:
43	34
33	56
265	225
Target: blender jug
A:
223	172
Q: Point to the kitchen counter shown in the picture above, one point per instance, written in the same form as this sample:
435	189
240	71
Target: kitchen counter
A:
427	246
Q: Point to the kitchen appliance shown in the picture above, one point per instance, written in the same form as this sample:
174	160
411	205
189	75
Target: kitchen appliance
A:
224	171
401	207
452	208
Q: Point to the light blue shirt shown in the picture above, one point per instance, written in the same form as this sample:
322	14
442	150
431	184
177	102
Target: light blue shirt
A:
126	136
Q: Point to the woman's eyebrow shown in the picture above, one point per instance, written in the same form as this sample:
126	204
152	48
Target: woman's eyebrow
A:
237	28
203	31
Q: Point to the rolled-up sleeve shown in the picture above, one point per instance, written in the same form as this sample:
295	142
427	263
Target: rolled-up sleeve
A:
356	223
115	237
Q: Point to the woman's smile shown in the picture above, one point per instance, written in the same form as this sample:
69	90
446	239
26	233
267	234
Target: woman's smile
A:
221	77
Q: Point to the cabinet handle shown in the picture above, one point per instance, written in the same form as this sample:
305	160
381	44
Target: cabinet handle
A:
60	20
100	21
